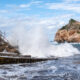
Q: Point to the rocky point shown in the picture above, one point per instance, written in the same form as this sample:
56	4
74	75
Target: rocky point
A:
69	32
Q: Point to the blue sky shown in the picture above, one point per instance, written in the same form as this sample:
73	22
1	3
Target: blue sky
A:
50	14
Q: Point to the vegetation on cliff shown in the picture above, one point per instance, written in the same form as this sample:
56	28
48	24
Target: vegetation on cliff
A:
73	24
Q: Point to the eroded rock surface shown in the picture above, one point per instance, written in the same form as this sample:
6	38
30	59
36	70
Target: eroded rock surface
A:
69	32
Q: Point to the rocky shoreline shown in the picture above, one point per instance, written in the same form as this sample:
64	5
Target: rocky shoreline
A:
22	59
10	54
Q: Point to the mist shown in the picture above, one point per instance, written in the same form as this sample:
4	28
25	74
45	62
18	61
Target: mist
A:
35	42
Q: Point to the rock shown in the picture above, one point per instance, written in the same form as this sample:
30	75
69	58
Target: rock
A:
69	32
6	46
61	36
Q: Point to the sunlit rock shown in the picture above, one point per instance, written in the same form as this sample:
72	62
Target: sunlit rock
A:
69	32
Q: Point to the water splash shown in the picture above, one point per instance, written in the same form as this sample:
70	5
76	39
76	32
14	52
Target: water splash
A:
35	43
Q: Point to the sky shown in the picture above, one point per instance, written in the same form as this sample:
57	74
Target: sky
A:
49	14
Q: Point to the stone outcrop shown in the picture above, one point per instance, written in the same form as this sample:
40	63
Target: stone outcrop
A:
69	32
6	47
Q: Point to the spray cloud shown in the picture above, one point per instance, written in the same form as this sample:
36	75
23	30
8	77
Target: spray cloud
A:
35	43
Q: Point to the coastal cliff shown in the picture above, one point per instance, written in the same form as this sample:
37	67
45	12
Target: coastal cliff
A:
69	32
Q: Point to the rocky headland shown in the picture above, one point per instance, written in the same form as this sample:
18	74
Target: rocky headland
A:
69	32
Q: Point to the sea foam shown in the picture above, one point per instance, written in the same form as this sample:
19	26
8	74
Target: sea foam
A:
34	42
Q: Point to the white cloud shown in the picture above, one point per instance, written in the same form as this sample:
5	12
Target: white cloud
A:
26	5
32	21
70	1
3	11
30	4
15	8
50	24
63	6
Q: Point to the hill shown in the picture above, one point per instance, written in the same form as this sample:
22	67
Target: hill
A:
69	32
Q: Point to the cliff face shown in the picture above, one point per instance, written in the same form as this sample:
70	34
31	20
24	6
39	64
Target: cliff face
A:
69	32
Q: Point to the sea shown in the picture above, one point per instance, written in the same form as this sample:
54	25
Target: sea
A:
67	67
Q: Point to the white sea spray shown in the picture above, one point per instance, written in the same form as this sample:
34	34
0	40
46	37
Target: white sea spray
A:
34	42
